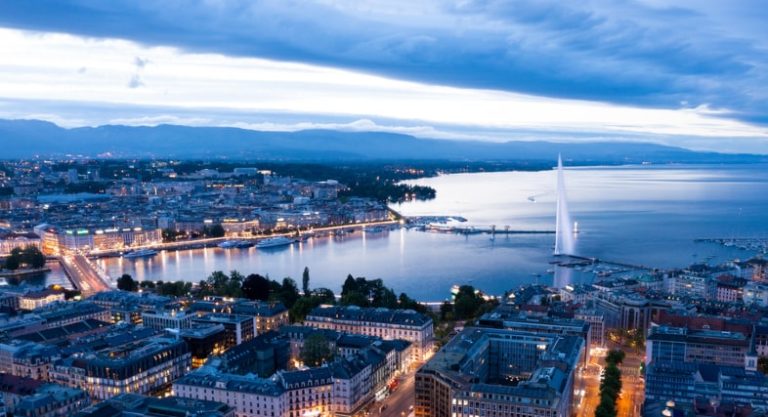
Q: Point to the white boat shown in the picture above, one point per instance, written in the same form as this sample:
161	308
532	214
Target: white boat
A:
274	242
143	253
229	244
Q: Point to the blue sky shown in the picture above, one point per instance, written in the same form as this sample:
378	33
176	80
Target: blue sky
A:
694	74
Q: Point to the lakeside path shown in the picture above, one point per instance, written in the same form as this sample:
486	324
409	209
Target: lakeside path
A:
199	243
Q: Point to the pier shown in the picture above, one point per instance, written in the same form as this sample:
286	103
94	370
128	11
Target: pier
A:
576	260
492	230
85	276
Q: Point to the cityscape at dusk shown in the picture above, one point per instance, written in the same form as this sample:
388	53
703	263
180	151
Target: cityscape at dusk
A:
432	208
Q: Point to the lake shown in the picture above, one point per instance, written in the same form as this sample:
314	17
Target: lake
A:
646	215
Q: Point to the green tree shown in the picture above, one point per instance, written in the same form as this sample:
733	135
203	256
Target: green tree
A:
33	257
12	262
29	256
217	281
316	350
408	303
610	386
256	287
762	364
176	289
216	230
233	287
446	310
126	283
382	296
170	235
325	295
467	302
349	285
147	284
289	292
302	307
305	281
354	298
615	357
221	284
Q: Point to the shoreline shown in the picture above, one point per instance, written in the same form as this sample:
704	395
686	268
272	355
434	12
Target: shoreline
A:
213	242
24	272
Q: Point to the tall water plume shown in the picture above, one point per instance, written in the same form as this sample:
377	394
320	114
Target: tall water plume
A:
564	239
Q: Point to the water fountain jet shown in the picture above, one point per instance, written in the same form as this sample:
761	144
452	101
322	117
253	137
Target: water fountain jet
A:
564	240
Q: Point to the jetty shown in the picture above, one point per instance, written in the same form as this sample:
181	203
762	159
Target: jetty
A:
492	230
576	260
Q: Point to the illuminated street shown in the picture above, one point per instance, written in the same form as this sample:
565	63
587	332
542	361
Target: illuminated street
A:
84	275
399	403
632	392
591	398
633	387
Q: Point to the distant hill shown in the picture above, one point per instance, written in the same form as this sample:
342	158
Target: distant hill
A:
29	138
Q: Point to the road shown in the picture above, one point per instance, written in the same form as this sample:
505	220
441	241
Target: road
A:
399	403
632	387
631	397
587	402
84	275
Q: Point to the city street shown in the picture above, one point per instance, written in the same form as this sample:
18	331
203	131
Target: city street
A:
591	387
399	403
632	392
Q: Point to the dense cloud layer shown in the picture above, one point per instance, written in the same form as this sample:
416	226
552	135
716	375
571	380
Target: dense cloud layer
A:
629	51
696	55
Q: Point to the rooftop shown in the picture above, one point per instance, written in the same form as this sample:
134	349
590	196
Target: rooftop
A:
375	315
544	371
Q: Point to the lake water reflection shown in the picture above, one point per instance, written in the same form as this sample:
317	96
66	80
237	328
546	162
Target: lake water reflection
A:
647	215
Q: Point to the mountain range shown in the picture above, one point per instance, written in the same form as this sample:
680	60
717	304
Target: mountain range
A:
20	139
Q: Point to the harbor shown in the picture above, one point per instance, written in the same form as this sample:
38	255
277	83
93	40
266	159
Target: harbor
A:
252	240
754	244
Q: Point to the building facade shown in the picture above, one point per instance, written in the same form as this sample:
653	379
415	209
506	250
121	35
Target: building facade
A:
680	344
286	394
381	322
144	367
471	375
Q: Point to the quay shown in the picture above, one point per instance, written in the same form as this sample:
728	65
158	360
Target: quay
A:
577	260
84	275
23	272
471	230
212	242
